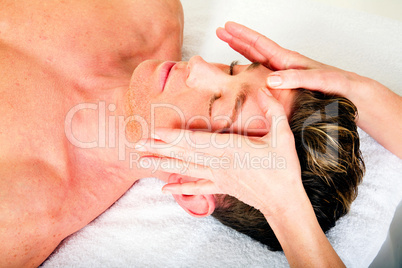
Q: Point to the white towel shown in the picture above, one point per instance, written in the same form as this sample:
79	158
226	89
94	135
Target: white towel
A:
148	229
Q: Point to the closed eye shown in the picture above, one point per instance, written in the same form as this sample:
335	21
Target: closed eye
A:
232	65
211	102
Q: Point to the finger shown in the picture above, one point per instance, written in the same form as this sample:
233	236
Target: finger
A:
244	41
183	137
198	141
161	149
275	113
223	35
170	165
241	47
325	80
198	187
276	56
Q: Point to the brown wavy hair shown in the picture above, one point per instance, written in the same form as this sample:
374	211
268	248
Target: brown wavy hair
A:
327	144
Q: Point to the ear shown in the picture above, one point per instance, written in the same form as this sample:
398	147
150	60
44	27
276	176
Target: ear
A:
195	205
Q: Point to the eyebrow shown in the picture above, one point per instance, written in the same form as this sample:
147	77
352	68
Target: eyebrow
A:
252	66
241	97
239	101
211	102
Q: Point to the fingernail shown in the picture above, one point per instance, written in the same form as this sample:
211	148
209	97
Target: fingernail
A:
155	137
140	148
165	191
274	80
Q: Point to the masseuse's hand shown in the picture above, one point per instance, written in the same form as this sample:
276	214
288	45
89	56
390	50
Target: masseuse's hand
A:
262	187
380	109
293	70
276	191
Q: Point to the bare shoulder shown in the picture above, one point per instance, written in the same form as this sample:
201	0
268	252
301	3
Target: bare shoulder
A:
94	38
28	219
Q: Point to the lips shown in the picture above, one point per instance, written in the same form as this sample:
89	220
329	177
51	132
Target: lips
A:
164	73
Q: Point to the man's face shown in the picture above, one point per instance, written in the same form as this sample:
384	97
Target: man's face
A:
199	95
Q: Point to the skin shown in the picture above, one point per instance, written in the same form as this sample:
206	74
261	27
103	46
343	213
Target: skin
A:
52	61
55	55
59	168
188	90
304	243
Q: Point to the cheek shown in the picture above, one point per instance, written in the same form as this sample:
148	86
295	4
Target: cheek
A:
166	115
186	111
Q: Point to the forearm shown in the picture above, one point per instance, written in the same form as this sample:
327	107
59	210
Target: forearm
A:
380	112
301	237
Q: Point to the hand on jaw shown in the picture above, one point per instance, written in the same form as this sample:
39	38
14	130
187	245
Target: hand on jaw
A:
276	191
194	149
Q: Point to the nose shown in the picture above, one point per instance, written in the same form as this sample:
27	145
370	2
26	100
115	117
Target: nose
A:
203	75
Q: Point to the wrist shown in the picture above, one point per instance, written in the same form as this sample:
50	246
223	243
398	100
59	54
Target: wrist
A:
296	205
301	237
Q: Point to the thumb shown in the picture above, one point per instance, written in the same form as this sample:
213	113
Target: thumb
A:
324	80
274	113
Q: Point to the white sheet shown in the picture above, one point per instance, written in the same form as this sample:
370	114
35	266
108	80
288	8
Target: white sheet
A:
147	229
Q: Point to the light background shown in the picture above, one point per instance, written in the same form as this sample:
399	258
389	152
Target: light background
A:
386	8
390	254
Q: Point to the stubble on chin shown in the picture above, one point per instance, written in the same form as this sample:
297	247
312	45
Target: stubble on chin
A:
136	112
